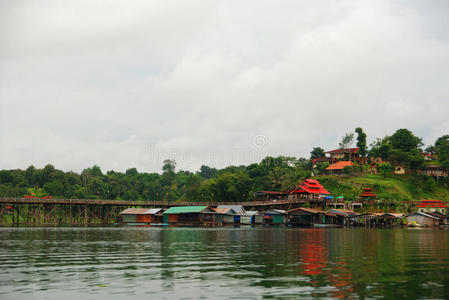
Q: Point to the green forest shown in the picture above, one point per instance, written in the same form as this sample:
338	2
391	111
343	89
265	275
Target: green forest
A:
238	183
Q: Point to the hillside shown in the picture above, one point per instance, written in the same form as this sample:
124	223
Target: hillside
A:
391	187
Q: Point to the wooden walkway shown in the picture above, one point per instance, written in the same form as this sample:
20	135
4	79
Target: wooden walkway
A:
88	211
140	203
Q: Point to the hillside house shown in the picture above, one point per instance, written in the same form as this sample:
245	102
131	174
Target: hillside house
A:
338	167
434	170
348	154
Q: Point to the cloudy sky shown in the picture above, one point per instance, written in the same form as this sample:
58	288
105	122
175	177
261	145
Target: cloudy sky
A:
126	84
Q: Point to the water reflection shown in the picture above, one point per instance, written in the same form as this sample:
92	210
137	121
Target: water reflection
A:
223	263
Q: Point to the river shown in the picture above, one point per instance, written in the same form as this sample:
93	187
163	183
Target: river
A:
223	263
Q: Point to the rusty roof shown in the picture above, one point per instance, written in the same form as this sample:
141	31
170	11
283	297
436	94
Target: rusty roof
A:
225	210
140	211
346	150
310	210
343	212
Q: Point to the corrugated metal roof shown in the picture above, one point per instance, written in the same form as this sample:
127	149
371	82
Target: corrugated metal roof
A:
225	210
237	208
252	213
140	211
396	215
275	212
343	212
185	209
425	215
311	210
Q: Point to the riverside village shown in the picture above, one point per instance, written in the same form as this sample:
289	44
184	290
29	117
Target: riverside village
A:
395	183
308	204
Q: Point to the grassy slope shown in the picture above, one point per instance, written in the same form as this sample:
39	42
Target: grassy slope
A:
394	187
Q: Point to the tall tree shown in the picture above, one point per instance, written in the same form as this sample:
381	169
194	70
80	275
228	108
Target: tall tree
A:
207	172
442	147
442	150
169	166
380	148
346	140
361	142
405	149
403	139
317	152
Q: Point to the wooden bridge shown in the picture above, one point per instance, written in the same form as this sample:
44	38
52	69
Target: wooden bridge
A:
89	211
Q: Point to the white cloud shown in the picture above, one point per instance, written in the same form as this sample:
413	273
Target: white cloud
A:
85	83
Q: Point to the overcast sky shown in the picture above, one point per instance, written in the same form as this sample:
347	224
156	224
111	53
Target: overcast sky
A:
126	84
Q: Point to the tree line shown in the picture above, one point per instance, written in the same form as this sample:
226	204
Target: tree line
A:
233	183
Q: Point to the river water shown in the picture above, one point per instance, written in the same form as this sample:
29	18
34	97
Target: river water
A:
223	263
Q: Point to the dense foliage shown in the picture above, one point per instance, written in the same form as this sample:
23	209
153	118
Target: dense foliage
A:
233	183
361	142
402	148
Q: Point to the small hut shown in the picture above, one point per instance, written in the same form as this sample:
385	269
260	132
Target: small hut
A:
341	216
368	195
275	216
378	219
136	216
303	216
251	217
239	210
190	215
422	219
225	215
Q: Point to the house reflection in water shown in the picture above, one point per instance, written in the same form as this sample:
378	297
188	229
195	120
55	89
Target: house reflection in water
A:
314	253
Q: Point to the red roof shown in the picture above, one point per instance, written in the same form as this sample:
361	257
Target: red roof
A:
310	186
312	181
340	165
431	201
322	159
367	193
347	150
432	204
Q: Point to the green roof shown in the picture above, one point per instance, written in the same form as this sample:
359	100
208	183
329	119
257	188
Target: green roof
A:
184	209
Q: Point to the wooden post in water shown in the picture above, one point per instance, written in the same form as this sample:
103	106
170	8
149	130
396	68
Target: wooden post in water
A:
18	215
45	214
28	213
70	214
3	220
85	214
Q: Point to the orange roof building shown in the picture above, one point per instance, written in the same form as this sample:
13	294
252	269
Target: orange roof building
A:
340	165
